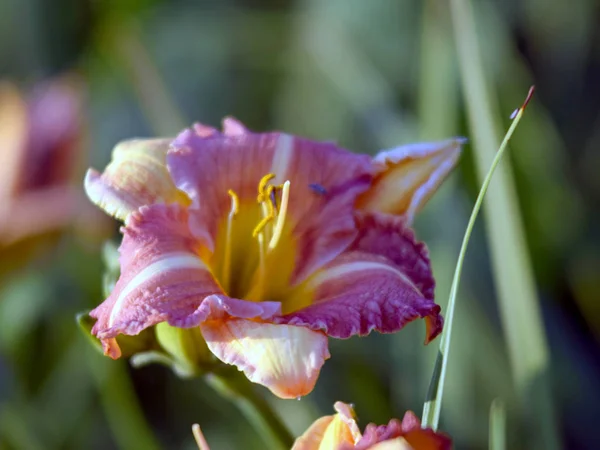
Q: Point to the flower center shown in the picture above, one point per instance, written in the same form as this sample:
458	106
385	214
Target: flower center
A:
271	225
255	263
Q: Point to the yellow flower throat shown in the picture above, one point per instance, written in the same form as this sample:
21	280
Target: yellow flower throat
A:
261	270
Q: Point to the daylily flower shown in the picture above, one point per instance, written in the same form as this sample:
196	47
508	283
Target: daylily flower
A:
269	243
340	432
40	139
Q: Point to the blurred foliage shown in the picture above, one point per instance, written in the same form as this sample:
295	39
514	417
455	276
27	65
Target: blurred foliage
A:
369	75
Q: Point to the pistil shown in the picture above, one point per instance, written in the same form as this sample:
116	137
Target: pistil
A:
278	229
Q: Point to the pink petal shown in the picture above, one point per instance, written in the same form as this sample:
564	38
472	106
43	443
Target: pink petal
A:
162	279
410	422
284	358
389	236
55	131
39	212
409	175
381	283
204	130
233	127
378	433
423	438
325	181
40	152
408	432
136	176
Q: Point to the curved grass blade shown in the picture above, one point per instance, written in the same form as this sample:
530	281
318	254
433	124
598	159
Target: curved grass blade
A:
433	403
518	305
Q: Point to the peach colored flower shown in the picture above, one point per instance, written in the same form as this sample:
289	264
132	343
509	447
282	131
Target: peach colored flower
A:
340	432
269	243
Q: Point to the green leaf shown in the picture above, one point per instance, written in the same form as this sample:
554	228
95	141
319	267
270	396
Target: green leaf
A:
497	425
85	323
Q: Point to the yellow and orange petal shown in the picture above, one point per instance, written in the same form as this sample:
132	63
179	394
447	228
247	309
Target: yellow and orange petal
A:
331	432
136	176
408	176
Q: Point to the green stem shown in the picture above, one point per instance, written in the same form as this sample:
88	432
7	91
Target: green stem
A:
433	403
121	407
234	386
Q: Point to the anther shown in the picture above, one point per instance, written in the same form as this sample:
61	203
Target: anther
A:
269	211
262	184
235	203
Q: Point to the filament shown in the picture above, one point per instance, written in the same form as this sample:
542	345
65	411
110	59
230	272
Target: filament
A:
199	437
262	266
235	205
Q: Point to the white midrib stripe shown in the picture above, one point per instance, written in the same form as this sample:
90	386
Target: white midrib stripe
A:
282	157
169	261
358	266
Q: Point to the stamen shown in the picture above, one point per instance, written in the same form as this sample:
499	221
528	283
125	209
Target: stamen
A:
262	267
235	206
266	217
235	203
262	184
269	215
278	229
199	437
268	209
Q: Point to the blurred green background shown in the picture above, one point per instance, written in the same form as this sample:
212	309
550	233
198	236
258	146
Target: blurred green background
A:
369	74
